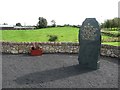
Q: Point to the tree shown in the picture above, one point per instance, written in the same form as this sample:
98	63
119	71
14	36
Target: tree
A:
18	24
107	24
5	24
53	23
42	23
111	23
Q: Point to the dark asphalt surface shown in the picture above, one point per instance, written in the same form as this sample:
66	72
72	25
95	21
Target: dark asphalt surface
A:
56	71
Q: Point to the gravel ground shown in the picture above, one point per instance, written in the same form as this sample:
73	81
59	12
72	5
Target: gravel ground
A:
56	71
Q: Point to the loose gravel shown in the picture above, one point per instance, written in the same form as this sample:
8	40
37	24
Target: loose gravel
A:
56	71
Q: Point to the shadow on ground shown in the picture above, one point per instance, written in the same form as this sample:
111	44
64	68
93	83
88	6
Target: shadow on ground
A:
51	75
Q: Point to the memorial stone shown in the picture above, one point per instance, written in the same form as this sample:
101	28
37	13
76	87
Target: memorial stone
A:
90	44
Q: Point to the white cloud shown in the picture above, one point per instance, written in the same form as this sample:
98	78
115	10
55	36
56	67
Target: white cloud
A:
63	11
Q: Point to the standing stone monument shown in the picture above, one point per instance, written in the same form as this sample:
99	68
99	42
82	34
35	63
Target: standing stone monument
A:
90	44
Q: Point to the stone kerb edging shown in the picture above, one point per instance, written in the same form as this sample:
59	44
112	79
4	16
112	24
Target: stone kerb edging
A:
54	47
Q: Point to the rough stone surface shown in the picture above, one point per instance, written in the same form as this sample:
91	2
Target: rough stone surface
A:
7	47
90	43
56	71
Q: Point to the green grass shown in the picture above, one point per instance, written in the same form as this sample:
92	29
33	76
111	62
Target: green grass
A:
69	34
111	33
0	35
112	43
64	34
106	38
110	36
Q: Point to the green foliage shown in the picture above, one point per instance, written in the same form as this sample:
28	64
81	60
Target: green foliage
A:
52	38
18	24
53	23
104	39
111	33
42	23
111	23
111	29
110	37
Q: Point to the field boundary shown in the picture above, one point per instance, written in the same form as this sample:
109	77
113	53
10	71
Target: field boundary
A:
54	47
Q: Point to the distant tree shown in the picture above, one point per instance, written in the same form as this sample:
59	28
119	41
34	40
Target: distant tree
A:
42	23
117	22
102	25
53	23
111	23
67	25
18	24
5	24
107	24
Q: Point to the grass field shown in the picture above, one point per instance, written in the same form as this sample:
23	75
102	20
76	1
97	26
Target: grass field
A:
64	34
112	43
69	34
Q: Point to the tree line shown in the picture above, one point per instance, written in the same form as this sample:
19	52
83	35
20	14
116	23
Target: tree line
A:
111	23
42	23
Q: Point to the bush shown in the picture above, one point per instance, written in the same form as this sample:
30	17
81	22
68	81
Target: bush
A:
111	29
112	34
52	38
110	40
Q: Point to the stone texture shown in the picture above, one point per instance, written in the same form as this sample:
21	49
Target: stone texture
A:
21	48
90	43
57	71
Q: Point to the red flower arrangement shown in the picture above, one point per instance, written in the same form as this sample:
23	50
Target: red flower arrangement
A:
36	51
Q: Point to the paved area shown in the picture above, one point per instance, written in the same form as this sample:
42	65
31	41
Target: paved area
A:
56	71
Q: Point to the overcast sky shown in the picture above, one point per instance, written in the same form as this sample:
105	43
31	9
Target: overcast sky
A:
62	11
